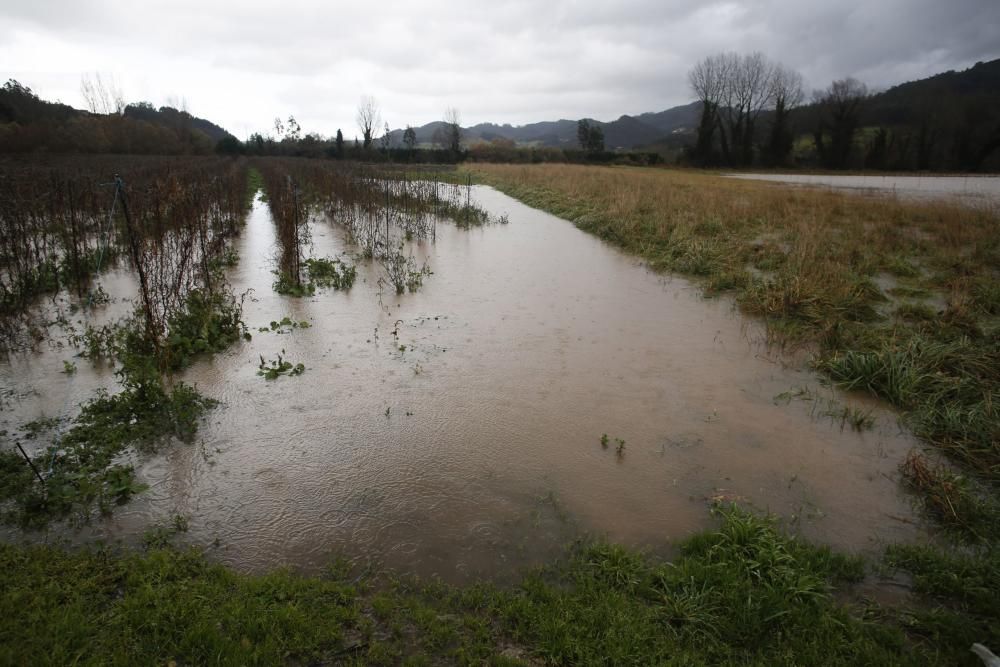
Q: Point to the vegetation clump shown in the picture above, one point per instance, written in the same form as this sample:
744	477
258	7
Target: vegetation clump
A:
959	504
402	272
741	594
326	272
285	325
275	368
209	322
84	467
320	272
87	466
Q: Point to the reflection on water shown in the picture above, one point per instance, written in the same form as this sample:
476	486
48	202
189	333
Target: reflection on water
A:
470	444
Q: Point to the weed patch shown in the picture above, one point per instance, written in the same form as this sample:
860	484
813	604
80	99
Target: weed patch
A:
275	368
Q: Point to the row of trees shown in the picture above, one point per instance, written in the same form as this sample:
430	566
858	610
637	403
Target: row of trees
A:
376	140
28	123
735	90
753	110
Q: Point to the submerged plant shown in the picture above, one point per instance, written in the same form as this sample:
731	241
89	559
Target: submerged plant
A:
326	272
83	468
402	272
275	368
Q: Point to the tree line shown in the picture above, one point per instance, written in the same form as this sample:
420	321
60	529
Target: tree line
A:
109	125
754	113
375	140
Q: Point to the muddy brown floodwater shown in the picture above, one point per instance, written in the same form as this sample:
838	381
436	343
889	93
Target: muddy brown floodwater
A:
470	445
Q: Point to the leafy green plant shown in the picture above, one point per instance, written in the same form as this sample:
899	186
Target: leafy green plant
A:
335	273
275	368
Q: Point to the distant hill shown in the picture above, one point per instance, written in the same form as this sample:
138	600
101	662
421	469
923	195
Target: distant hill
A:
173	118
949	120
627	132
907	102
29	123
946	121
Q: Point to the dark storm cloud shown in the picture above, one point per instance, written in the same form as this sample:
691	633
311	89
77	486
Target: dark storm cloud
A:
244	63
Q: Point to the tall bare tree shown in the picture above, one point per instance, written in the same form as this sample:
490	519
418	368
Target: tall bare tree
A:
840	107
453	130
735	91
746	93
708	81
102	95
787	93
369	119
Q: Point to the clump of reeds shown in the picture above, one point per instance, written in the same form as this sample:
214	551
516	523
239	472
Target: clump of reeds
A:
951	499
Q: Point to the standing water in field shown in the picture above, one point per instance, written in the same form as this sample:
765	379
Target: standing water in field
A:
970	190
539	385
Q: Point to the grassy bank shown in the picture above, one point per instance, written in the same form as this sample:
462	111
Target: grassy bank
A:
741	594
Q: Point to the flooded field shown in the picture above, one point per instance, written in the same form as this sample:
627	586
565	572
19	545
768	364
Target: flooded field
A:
973	190
457	430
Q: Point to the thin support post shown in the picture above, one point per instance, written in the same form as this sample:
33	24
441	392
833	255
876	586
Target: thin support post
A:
30	463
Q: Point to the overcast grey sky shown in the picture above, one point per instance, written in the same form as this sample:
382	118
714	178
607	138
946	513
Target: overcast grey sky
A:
241	64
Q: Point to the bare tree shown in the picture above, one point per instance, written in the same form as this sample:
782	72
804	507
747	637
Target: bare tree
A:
369	118
453	130
747	92
787	93
708	81
840	106
102	96
735	91
178	102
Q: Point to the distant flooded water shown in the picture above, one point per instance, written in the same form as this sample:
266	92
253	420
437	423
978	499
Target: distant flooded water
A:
457	430
975	190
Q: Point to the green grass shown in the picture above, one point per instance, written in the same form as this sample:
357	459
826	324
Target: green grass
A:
742	594
960	590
